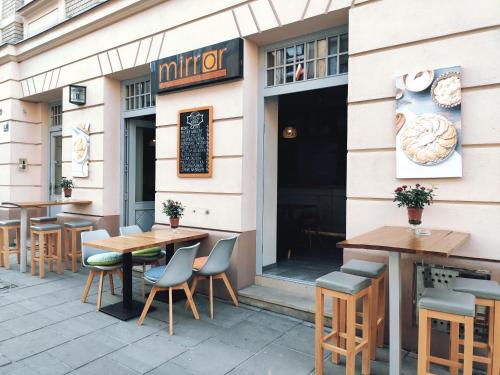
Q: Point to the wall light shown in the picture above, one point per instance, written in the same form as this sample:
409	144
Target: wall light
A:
289	132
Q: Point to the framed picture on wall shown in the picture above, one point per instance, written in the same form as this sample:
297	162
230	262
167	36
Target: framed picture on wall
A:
428	124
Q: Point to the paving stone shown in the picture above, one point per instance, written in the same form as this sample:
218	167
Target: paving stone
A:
45	364
248	335
277	360
17	368
85	349
172	368
3	360
190	332
130	331
105	366
28	323
148	353
212	357
275	321
300	338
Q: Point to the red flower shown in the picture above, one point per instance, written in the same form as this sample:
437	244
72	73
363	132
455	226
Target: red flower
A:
417	185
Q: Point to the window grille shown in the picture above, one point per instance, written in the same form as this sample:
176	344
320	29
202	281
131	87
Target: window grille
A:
55	115
138	95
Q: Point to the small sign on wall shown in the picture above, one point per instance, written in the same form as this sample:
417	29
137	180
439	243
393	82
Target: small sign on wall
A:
80	150
194	142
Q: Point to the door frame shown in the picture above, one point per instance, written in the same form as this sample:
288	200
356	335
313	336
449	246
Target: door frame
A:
53	131
124	116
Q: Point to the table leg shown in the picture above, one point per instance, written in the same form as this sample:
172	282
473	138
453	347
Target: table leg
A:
394	313
24	239
127	281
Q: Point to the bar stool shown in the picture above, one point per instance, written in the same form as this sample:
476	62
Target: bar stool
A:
73	229
455	307
487	293
349	288
43	220
5	250
378	274
49	239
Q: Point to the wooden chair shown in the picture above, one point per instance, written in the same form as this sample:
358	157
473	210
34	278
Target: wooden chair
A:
214	267
72	230
487	293
48	249
348	288
456	308
173	276
99	262
378	274
6	226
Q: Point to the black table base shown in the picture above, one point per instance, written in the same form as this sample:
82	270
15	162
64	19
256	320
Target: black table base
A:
119	312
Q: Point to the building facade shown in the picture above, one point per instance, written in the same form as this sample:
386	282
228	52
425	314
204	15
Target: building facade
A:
351	51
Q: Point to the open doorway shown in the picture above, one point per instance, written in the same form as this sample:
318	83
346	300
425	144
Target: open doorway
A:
140	165
311	183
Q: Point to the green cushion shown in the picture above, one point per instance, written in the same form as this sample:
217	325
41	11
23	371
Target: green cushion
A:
78	224
43	219
447	301
43	227
104	259
8	223
343	282
149	252
487	289
363	268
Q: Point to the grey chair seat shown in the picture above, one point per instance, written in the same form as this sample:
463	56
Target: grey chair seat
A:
104	268
78	224
363	268
43	219
45	227
343	282
8	223
448	301
487	289
154	274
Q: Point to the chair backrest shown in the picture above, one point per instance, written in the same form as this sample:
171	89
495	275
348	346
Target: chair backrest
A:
131	229
218	260
180	268
92	235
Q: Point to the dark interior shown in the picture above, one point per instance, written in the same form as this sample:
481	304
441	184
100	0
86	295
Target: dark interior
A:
311	183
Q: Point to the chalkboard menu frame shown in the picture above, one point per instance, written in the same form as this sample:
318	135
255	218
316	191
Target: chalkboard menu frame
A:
210	142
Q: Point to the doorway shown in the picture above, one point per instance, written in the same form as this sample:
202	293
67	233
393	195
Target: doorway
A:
310	188
139	168
55	155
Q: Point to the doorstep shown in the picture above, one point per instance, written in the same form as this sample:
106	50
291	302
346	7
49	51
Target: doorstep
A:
295	299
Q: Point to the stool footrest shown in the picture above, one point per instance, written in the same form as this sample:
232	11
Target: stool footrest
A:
445	362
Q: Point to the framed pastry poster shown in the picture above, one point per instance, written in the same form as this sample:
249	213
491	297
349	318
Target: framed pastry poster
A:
428	124
80	150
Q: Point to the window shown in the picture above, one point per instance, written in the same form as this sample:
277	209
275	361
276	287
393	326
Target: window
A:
138	95
309	60
55	114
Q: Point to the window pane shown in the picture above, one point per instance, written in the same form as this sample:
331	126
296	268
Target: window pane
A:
131	90
311	50
332	65
343	64
279	76
332	45
290	53
299	72
310	70
280	60
343	43
148	100
270	59
289	73
321	68
148	86
127	104
270	77
322	48
300	52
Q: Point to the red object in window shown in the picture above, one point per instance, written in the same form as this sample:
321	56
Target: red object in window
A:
299	72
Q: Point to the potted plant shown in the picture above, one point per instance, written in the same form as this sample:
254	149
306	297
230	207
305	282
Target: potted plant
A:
174	210
67	186
414	199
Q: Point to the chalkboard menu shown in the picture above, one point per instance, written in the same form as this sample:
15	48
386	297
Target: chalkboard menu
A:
194	143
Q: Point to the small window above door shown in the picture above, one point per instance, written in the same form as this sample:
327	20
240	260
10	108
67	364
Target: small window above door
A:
55	115
138	95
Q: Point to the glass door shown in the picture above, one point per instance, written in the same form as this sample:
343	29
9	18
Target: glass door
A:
55	154
140	164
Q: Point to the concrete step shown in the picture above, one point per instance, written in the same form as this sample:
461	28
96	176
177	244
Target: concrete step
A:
287	302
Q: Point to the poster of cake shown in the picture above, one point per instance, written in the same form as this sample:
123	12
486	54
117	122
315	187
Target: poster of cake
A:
80	144
428	124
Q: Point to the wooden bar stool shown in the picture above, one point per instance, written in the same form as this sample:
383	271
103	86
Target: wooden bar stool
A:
455	307
5	250
72	229
349	288
378	274
487	293
49	248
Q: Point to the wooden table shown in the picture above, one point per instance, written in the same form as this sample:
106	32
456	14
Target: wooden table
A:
128	308
397	240
24	206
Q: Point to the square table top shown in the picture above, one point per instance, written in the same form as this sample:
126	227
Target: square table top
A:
132	242
44	203
404	240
